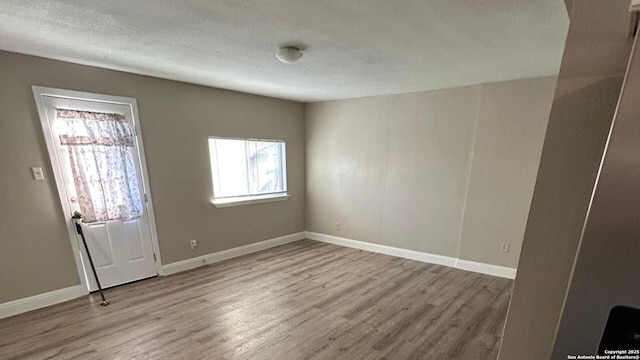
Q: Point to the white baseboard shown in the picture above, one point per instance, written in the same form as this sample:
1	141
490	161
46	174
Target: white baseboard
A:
495	270
20	306
482	268
384	249
193	263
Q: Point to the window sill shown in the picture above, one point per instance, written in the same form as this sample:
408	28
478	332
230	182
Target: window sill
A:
223	203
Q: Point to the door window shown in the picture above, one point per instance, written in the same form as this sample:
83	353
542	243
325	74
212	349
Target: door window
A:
100	149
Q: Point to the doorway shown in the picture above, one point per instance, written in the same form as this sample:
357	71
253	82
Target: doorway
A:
96	151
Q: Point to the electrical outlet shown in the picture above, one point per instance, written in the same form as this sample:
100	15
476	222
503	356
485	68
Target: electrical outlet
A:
337	226
194	244
37	173
505	247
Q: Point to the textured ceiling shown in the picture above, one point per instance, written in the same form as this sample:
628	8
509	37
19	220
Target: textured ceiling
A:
355	47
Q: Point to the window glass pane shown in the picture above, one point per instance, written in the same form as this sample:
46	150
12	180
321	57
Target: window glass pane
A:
247	167
231	168
269	167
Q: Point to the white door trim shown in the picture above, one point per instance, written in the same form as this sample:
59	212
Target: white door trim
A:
39	92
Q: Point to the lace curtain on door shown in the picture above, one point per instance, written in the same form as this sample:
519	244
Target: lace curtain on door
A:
100	149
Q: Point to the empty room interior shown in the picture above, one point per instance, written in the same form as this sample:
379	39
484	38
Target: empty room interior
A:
332	179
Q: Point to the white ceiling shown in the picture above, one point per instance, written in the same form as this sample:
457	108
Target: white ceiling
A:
355	47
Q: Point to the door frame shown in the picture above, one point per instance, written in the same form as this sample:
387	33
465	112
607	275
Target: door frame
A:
39	92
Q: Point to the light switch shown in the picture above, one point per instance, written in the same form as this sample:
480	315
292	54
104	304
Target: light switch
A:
37	172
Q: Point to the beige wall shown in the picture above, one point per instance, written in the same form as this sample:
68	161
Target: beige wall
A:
607	267
511	125
569	4
396	170
585	100
573	145
393	169
176	119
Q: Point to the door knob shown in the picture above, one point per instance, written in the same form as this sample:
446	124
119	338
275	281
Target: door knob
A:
73	199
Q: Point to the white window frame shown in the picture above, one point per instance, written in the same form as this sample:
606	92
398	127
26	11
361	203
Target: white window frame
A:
247	199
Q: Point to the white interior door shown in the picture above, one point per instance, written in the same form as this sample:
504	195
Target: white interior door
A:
122	250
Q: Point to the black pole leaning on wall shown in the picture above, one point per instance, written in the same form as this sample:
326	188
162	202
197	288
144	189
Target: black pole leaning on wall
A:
77	219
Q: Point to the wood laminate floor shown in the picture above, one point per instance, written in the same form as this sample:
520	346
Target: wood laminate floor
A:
305	300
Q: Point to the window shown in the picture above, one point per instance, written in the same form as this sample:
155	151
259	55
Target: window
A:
247	171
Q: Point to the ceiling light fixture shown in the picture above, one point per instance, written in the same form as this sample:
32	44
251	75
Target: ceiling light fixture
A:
289	54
